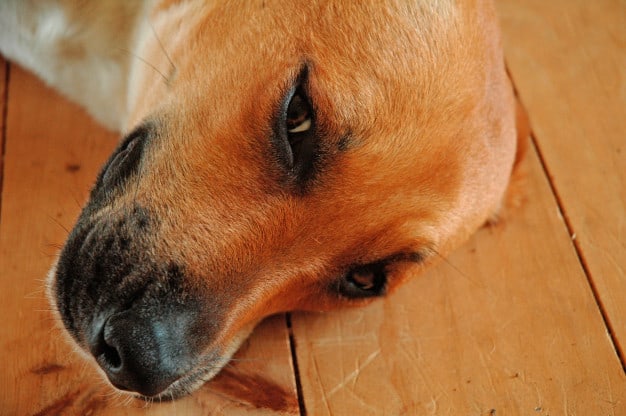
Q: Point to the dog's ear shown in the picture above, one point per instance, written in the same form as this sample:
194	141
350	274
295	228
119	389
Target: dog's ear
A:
515	195
522	125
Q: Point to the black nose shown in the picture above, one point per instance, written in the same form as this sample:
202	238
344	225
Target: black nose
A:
143	354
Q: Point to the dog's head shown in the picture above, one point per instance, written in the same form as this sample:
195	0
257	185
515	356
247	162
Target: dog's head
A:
293	155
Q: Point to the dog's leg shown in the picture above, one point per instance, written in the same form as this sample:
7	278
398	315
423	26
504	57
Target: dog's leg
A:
83	49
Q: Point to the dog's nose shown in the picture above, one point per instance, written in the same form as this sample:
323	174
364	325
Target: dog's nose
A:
143	354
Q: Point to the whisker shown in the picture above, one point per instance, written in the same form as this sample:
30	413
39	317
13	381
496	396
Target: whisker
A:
456	269
58	246
449	263
134	55
244	360
57	222
158	39
78	203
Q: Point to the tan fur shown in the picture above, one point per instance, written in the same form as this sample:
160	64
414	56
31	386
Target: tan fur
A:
418	121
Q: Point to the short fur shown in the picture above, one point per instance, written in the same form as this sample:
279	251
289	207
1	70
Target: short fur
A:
197	221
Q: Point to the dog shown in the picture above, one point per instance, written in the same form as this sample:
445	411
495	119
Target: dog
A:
276	156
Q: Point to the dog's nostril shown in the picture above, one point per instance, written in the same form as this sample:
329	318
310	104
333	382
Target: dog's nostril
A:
125	160
104	350
111	358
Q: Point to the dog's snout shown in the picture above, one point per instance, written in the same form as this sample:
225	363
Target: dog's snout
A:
143	354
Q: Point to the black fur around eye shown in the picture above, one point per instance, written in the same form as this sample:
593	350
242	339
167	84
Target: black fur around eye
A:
364	281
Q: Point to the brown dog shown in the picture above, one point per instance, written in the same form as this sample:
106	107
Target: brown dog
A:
279	155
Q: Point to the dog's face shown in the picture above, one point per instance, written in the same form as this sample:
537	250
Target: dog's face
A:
294	156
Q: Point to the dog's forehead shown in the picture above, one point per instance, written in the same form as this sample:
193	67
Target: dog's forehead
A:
393	74
357	36
364	58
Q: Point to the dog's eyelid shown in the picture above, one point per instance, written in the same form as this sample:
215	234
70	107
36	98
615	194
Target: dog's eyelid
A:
408	256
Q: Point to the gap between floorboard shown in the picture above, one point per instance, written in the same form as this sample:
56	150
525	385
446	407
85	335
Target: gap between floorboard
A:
3	133
581	258
570	230
294	360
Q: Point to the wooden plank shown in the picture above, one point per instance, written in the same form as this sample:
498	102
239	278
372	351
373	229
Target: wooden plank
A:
3	95
53	152
507	326
568	59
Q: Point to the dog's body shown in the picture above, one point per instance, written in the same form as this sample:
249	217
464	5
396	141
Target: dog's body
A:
278	155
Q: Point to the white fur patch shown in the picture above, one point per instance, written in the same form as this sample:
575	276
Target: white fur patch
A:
33	33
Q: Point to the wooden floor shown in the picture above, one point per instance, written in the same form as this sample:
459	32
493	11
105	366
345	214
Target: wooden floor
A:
528	318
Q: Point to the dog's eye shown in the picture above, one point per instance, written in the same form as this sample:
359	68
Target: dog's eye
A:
364	281
299	131
295	132
298	116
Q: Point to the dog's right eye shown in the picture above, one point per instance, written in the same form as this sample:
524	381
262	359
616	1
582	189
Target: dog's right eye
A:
299	117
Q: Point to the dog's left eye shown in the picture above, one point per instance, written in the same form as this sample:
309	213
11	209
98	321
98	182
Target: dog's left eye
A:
364	281
299	132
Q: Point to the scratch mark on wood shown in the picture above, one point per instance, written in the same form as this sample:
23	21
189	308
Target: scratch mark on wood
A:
354	374
323	389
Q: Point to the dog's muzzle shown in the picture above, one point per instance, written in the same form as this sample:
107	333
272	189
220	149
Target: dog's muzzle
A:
132	309
134	313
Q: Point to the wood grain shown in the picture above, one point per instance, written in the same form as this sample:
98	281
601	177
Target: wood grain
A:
568	60
53	153
507	325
